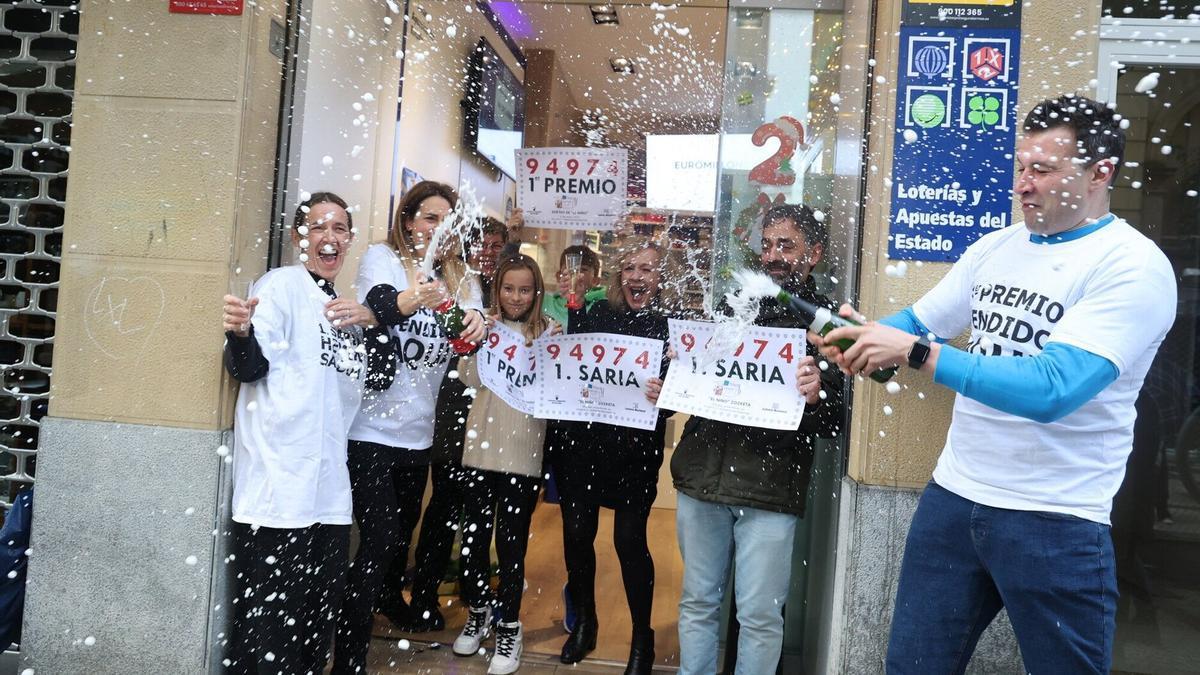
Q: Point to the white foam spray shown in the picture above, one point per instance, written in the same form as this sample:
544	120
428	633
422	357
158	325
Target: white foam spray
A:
731	329
455	229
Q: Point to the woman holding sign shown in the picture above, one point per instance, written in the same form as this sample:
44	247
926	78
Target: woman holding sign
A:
614	467
502	464
388	453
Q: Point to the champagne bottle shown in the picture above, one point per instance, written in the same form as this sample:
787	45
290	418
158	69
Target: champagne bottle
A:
821	321
452	319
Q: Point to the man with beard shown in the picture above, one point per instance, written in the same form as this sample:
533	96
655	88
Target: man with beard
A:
741	489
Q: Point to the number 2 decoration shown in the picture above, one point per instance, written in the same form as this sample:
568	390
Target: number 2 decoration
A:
777	169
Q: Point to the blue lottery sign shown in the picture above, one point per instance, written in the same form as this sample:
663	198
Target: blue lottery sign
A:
956	123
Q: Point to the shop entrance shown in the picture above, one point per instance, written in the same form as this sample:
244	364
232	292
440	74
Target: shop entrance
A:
1156	515
724	112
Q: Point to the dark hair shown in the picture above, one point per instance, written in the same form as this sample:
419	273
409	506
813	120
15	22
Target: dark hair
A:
320	198
534	321
803	218
1098	133
489	226
588	257
453	267
407	210
493	226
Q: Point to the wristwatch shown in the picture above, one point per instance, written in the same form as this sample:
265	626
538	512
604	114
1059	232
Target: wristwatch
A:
918	353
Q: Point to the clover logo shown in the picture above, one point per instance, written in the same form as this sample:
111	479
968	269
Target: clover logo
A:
984	111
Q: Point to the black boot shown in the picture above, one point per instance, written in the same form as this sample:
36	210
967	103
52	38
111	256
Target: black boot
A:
641	653
583	639
426	616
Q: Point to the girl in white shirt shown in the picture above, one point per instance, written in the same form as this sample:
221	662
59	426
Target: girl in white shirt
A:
502	463
391	436
297	348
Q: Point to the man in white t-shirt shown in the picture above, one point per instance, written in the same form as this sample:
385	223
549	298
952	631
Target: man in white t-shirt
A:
1066	312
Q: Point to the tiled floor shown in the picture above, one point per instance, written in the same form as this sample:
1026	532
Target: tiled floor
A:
542	610
391	657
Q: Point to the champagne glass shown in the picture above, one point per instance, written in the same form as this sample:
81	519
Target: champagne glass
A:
574	262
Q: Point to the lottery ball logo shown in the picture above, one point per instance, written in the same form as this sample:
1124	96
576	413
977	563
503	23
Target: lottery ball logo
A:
928	111
931	60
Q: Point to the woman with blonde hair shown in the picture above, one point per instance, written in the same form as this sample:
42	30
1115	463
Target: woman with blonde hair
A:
388	453
602	465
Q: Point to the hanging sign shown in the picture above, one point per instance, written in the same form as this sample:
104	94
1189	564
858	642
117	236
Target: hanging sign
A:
753	385
572	188
506	366
597	377
956	123
227	7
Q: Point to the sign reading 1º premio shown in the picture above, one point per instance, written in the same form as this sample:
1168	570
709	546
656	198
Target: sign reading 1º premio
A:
572	188
956	123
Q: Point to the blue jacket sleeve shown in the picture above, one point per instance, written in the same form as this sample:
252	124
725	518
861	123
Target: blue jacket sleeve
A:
1043	388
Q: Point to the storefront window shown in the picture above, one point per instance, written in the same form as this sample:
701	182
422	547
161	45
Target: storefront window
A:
1156	515
783	93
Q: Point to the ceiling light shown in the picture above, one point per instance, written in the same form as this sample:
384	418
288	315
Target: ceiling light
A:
622	65
605	15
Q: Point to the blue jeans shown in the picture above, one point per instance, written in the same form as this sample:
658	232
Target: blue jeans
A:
760	544
1054	573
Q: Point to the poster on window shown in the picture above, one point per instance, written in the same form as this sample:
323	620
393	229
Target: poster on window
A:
506	366
956	124
572	188
597	377
754	384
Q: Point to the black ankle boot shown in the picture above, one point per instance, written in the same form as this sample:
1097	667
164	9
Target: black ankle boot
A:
583	639
641	653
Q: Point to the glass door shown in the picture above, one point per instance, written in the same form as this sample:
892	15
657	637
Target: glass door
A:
1156	515
791	133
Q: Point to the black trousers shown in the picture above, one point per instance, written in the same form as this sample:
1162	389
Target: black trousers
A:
289	584
581	520
387	490
506	501
438	527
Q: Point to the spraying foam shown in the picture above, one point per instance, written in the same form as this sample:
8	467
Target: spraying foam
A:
744	303
455	228
756	284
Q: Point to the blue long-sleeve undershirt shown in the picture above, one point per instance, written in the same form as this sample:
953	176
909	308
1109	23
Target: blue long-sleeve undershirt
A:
1043	388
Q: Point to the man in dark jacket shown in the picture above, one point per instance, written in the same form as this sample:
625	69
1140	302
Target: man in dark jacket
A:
741	488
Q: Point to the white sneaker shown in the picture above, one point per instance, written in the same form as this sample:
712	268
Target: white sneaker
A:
479	624
509	645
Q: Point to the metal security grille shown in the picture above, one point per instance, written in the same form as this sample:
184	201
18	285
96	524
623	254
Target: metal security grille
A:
37	80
